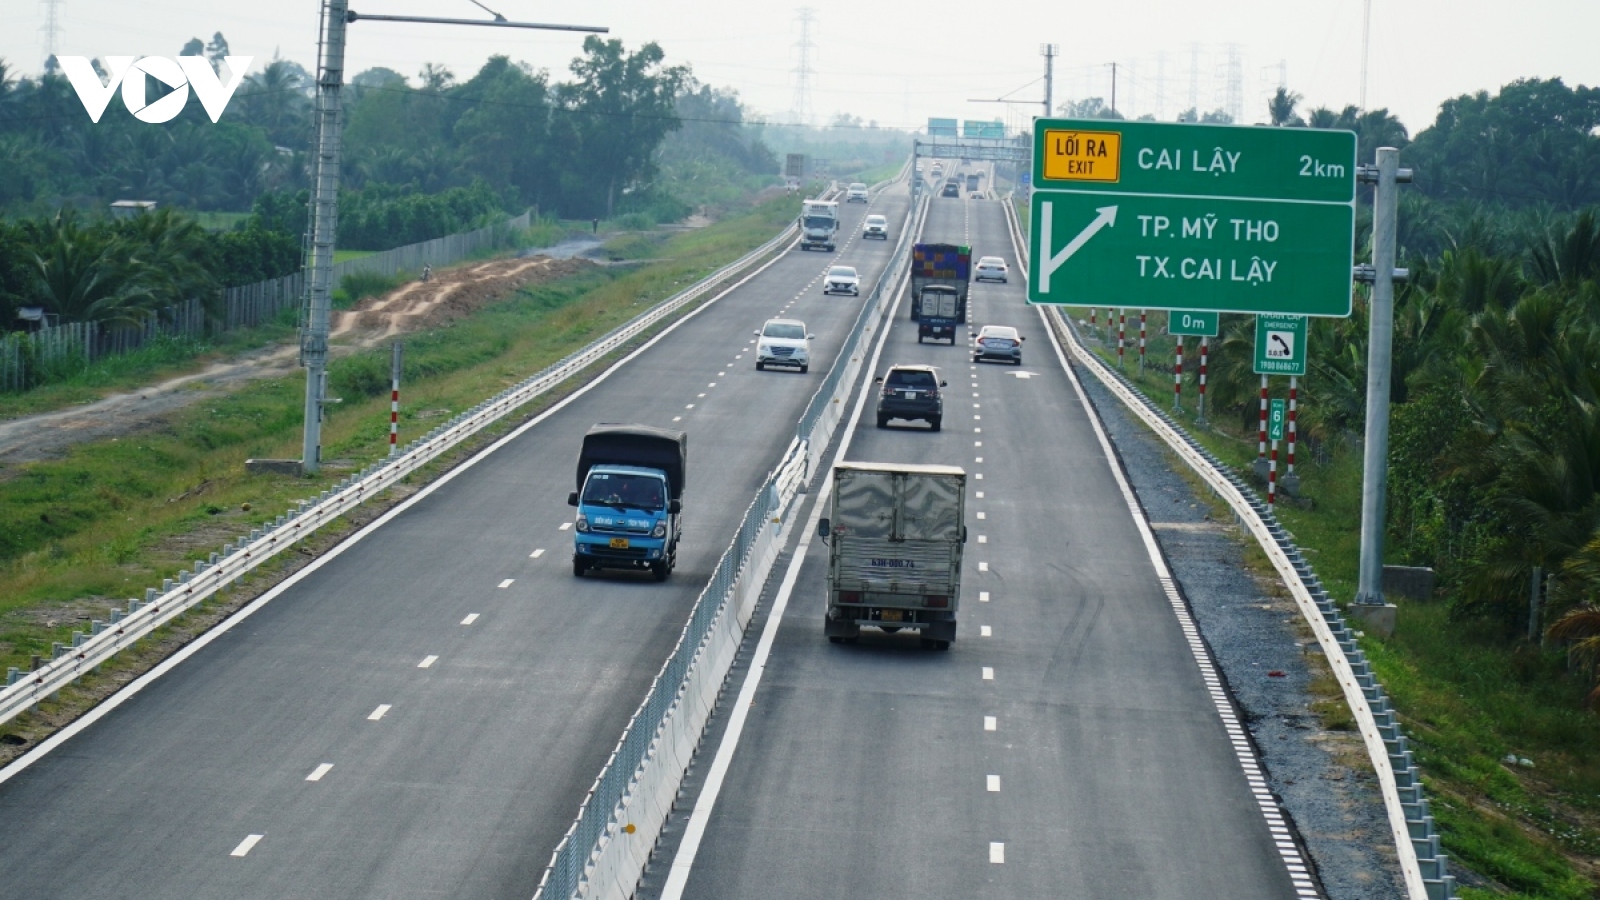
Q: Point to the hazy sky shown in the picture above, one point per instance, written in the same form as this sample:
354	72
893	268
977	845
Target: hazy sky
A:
899	62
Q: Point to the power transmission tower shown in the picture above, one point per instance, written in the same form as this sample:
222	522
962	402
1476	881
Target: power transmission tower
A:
1194	78
1233	85
1366	44
802	72
51	29
1161	86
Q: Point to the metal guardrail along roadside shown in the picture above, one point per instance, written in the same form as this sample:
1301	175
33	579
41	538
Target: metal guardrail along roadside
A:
1423	865
121	628
604	851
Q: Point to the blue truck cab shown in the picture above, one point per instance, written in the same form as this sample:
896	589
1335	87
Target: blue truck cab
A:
629	499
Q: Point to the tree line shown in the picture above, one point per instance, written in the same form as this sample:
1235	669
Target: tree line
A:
420	161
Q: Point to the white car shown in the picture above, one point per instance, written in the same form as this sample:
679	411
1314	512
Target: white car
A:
876	226
855	192
842	280
998	342
784	342
990	268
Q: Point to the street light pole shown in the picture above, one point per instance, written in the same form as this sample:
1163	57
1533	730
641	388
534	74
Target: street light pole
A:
324	212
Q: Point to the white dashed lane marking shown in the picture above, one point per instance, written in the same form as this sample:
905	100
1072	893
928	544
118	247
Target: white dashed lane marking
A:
988	673
471	617
565	525
536	554
985	631
997	852
379	712
990	723
427	662
980	495
319	771
983	567
983	596
982	515
983	539
994	784
507	582
245	845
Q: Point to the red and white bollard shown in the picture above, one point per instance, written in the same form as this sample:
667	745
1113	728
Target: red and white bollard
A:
394	400
1177	378
1294	386
1272	478
1205	347
1261	444
1141	341
1122	336
1093	328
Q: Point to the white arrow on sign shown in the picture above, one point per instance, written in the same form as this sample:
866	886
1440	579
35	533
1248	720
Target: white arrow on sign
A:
1054	261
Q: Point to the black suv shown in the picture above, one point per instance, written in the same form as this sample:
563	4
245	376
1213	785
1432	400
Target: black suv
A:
911	392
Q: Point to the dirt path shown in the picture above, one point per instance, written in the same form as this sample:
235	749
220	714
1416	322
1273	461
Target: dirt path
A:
451	294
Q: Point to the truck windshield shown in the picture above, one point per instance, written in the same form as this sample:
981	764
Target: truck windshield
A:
620	489
819	221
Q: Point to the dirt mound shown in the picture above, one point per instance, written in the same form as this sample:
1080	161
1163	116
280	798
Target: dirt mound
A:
450	295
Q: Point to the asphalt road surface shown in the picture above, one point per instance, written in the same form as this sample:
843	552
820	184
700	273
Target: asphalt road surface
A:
1066	746
421	715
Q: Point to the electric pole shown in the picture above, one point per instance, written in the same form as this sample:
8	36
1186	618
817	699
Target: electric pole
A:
324	212
51	29
1049	51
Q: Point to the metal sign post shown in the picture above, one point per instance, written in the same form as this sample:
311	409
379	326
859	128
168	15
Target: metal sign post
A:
1387	176
1275	421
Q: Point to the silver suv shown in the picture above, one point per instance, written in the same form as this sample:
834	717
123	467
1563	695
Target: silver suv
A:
856	193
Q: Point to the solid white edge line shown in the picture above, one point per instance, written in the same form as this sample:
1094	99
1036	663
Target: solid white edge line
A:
195	646
700	817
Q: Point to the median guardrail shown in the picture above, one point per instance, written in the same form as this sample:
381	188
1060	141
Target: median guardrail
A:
1423	865
604	852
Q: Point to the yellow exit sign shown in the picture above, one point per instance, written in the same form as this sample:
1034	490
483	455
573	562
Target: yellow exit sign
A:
1082	155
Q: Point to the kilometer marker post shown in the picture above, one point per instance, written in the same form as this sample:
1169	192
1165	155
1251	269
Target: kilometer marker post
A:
394	398
1177	377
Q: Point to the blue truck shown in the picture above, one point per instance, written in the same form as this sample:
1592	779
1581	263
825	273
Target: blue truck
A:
941	275
629	499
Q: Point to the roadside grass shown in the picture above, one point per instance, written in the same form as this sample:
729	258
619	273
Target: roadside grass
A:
1468	697
84	533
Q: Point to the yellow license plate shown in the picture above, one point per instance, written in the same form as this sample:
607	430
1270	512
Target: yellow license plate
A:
619	543
893	615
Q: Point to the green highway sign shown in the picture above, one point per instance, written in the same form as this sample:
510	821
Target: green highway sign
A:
1188	323
1196	253
1280	345
1310	164
1206	218
1277	413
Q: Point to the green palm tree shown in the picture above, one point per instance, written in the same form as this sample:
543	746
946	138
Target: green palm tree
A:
84	275
1280	108
1581	626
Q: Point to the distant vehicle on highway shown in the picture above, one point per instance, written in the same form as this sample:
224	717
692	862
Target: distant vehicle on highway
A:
941	276
819	224
952	188
990	268
975	195
1000	342
876	226
856	192
895	536
629	497
842	280
784	342
919	168
911	393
